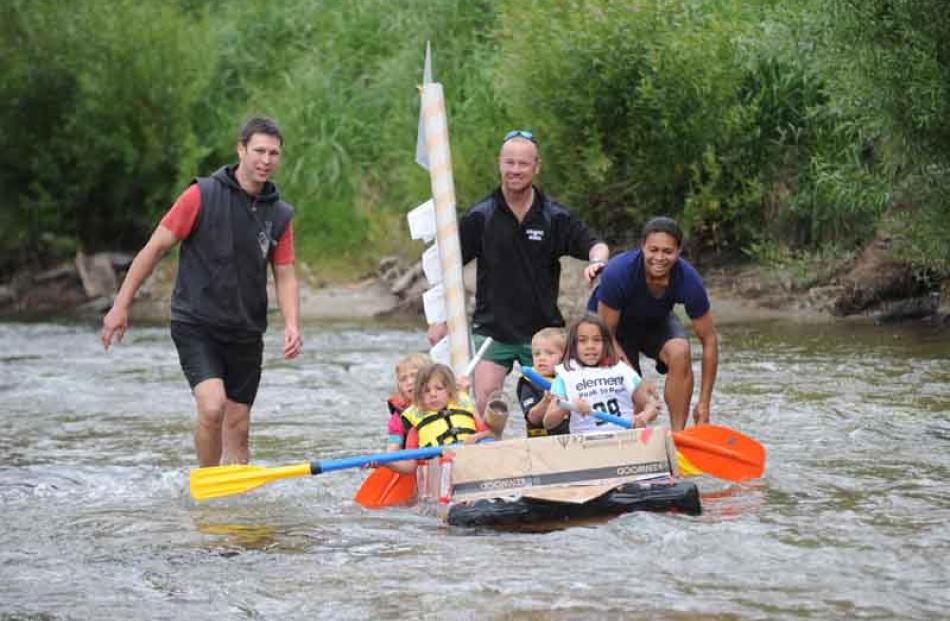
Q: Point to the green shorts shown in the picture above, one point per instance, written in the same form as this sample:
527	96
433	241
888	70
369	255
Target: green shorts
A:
505	354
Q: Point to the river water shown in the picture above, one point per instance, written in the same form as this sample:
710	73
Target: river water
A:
850	520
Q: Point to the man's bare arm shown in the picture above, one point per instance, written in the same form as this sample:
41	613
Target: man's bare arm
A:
612	318
116	321
706	332
288	301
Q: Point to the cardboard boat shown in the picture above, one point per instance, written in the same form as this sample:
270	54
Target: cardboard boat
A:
526	481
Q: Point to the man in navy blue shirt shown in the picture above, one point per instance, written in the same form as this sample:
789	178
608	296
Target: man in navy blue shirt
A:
636	296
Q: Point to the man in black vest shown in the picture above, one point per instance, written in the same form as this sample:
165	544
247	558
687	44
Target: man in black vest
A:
231	226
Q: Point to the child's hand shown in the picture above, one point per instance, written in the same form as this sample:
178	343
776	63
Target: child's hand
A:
646	416
651	389
370	465
582	406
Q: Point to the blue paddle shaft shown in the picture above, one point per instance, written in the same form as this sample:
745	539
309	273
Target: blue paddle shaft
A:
542	382
329	465
610	418
536	378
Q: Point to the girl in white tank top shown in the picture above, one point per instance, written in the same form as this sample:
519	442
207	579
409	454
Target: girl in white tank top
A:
592	379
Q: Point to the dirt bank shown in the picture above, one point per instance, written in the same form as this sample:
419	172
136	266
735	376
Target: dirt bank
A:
871	287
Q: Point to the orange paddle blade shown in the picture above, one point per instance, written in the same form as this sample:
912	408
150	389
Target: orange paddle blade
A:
386	488
722	452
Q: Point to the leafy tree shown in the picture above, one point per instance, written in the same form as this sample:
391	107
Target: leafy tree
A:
97	102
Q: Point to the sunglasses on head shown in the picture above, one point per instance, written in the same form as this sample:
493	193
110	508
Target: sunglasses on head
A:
519	133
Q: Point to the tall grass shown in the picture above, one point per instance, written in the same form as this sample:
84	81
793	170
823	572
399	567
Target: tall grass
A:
798	125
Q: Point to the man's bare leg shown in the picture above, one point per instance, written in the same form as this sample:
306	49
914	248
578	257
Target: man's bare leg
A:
235	433
210	402
678	387
489	377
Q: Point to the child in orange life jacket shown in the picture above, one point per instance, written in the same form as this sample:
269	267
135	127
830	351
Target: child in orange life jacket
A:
592	378
547	350
440	414
406	370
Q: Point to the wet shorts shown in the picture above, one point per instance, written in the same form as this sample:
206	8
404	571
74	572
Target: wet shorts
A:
204	355
505	354
648	337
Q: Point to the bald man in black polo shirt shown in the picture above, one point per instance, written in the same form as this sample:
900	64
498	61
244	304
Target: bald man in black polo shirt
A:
518	236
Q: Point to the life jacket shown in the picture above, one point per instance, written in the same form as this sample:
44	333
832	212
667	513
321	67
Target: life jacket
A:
529	395
446	426
397	405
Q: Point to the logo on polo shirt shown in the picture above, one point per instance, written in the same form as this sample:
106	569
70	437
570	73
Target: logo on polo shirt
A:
535	234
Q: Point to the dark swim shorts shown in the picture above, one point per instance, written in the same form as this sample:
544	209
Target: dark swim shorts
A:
648	337
204	355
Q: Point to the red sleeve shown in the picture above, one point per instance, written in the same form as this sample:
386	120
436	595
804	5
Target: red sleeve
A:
284	252
412	439
180	219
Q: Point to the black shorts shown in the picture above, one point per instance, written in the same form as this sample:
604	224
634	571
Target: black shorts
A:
649	337
205	355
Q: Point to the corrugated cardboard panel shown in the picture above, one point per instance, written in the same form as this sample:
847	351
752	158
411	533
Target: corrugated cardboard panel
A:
535	466
575	494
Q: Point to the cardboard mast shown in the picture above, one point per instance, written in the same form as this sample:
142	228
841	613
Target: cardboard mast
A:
446	300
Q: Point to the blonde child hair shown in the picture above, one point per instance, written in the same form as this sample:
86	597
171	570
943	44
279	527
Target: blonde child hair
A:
426	375
416	360
551	334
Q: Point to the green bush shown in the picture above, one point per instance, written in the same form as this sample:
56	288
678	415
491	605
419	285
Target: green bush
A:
95	130
768	124
341	78
660	107
891	62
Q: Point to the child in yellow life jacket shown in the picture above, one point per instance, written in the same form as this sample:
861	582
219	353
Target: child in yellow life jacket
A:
547	350
440	414
406	370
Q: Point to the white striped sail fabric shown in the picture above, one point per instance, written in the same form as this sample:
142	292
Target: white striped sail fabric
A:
447	238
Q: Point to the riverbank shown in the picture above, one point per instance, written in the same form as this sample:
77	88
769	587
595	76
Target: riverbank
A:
869	288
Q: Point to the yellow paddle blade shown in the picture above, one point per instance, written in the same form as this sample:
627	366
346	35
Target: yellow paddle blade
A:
217	481
687	469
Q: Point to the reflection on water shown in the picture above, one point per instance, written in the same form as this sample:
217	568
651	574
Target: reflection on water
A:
849	521
247	536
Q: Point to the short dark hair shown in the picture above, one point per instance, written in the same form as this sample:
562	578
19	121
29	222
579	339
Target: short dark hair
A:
662	224
260	125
